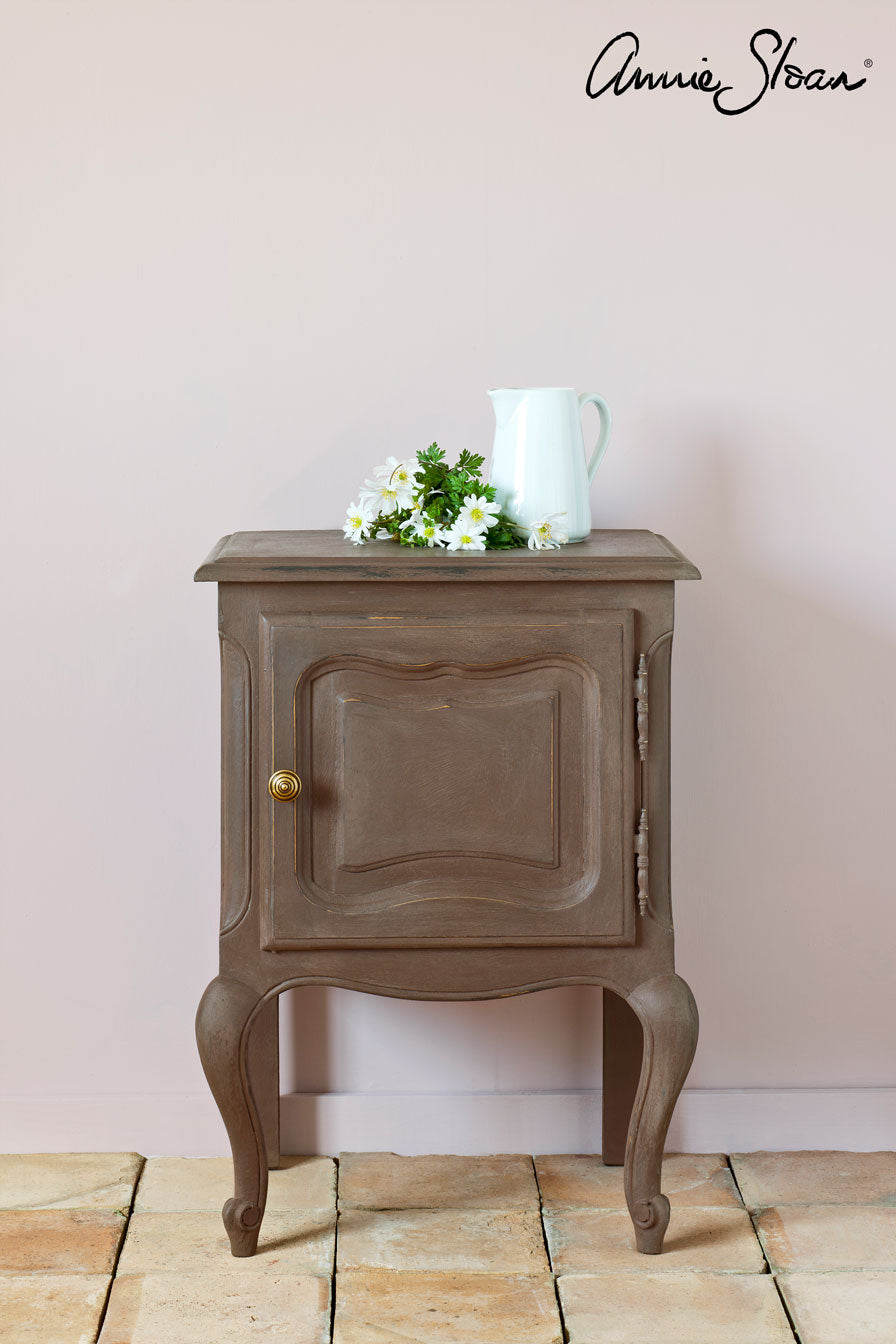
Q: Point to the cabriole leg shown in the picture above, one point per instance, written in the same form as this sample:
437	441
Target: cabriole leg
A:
668	1015
264	1075
222	1032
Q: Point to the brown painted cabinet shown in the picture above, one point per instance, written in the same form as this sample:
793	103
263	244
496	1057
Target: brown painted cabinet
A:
446	776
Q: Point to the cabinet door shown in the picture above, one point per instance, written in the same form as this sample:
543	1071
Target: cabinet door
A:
462	783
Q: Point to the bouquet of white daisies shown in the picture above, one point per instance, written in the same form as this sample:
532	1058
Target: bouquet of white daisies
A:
424	501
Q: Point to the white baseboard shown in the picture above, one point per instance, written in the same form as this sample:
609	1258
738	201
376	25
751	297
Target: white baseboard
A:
570	1122
862	1119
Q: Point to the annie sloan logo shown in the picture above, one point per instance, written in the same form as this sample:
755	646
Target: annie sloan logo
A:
615	69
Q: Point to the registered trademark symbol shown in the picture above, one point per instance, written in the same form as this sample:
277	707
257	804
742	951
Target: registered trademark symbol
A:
868	65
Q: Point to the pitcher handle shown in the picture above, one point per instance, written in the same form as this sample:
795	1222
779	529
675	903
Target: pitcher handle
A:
603	438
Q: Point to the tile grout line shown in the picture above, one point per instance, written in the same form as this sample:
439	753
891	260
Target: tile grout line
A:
335	1251
771	1272
547	1249
123	1239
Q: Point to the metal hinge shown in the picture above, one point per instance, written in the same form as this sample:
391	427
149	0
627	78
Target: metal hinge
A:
643	862
641	705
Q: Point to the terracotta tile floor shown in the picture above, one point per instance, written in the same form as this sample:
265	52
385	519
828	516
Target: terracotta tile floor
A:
763	1248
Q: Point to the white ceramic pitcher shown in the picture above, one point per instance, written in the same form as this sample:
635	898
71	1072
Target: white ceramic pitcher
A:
538	460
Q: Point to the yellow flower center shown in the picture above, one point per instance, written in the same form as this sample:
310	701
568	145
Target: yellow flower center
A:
544	530
357	521
477	515
388	494
429	531
465	539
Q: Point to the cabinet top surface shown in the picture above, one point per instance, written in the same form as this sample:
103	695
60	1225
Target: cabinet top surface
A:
291	557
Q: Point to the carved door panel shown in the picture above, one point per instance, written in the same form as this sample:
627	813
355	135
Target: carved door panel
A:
463	783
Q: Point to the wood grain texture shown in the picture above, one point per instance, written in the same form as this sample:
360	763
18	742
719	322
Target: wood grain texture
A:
452	759
224	1020
285	557
466	732
668	1016
236	793
264	1076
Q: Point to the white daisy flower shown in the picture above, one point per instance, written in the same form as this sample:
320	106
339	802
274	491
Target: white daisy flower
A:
464	537
432	533
392	485
358	522
418	521
403	479
379	497
546	533
478	512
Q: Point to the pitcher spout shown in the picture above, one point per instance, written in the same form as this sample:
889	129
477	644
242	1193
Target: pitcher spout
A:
505	400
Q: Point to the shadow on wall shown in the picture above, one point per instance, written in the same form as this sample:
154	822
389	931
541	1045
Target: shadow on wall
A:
339	1040
782	747
782	743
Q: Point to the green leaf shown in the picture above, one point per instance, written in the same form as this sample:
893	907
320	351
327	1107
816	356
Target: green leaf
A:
440	493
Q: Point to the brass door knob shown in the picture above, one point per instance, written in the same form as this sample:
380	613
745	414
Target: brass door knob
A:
284	784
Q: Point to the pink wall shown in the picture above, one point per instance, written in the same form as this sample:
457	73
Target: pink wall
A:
248	249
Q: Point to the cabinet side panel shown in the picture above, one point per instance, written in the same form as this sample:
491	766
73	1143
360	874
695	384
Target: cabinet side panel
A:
236	753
